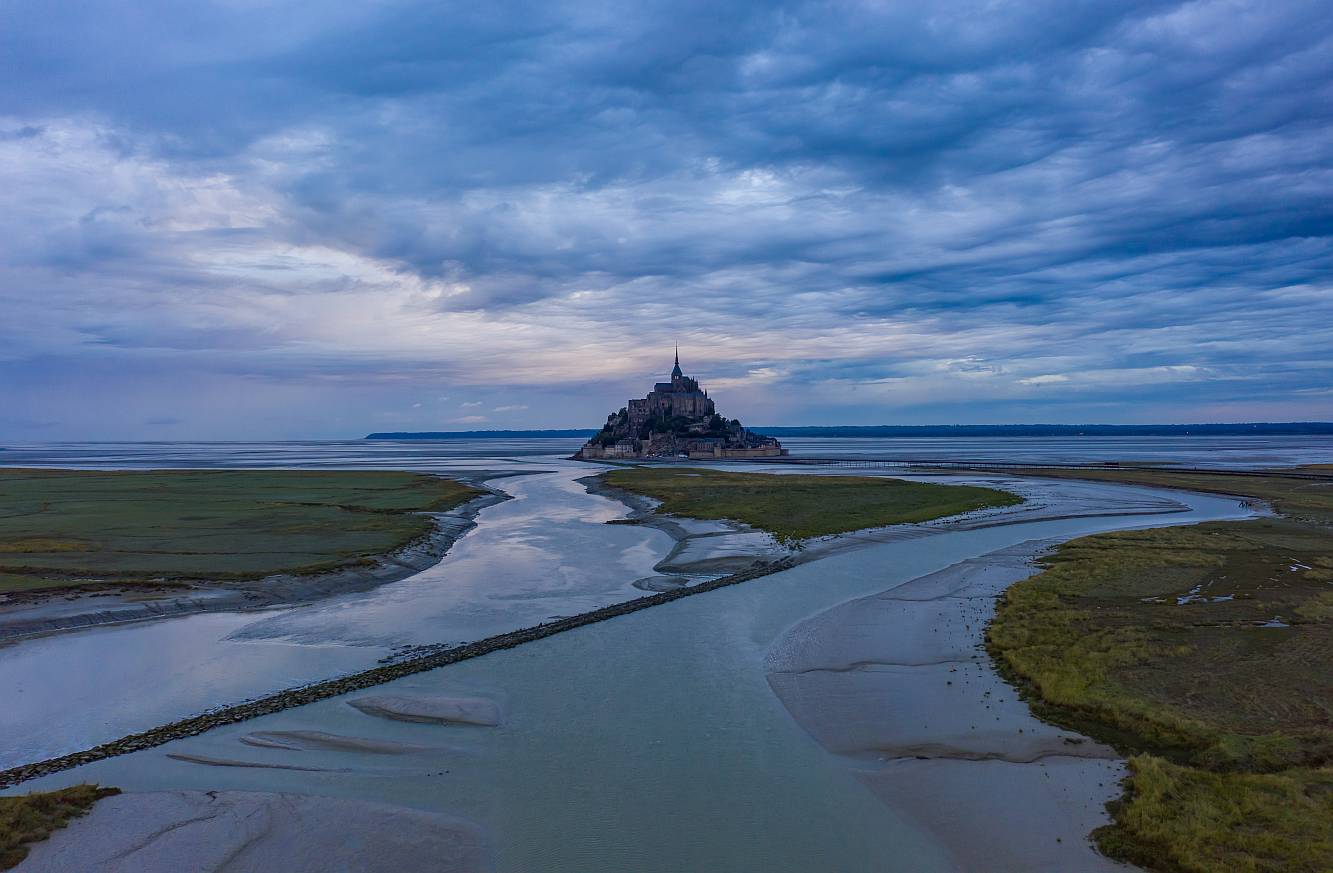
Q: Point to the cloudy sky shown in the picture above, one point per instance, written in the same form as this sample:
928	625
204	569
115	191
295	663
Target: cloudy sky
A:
266	219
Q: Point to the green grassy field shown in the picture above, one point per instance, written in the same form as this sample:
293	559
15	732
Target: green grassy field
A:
1205	653
793	508
30	818
62	528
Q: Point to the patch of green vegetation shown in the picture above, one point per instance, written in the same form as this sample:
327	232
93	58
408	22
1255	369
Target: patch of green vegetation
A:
796	507
1160	636
1185	819
62	528
1204	650
30	818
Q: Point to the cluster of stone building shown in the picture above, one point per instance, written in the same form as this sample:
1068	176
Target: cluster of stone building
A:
676	419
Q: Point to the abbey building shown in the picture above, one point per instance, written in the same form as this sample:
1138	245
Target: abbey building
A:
676	419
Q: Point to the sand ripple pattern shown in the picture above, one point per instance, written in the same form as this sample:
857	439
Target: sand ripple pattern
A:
899	683
236	831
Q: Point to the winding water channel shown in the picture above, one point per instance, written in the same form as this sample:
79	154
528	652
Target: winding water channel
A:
545	552
678	738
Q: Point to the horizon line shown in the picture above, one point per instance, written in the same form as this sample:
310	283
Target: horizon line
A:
1311	428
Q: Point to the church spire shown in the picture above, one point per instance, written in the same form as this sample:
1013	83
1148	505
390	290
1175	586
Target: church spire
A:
675	371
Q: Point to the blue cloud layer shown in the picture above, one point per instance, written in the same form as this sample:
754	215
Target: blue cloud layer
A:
247	219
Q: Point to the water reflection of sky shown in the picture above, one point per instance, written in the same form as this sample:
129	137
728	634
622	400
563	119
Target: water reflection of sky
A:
544	553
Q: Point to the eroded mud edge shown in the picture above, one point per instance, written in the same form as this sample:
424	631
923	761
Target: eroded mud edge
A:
37	618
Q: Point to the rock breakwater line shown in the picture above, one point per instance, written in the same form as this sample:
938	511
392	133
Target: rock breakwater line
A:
430	659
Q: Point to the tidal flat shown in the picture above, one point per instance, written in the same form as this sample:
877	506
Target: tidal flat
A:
620	736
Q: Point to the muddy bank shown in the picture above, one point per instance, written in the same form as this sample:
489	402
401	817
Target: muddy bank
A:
701	548
243	830
305	741
436	709
899	683
45	612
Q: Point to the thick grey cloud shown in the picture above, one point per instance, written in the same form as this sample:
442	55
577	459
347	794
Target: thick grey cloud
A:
246	218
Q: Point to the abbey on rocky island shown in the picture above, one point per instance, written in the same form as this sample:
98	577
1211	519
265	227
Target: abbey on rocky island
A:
676	419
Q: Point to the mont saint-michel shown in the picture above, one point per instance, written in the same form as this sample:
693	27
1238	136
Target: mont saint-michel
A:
676	419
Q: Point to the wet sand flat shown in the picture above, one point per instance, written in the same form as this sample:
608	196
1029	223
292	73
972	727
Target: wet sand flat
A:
898	683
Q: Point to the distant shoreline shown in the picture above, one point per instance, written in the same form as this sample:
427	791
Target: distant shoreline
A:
1293	428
